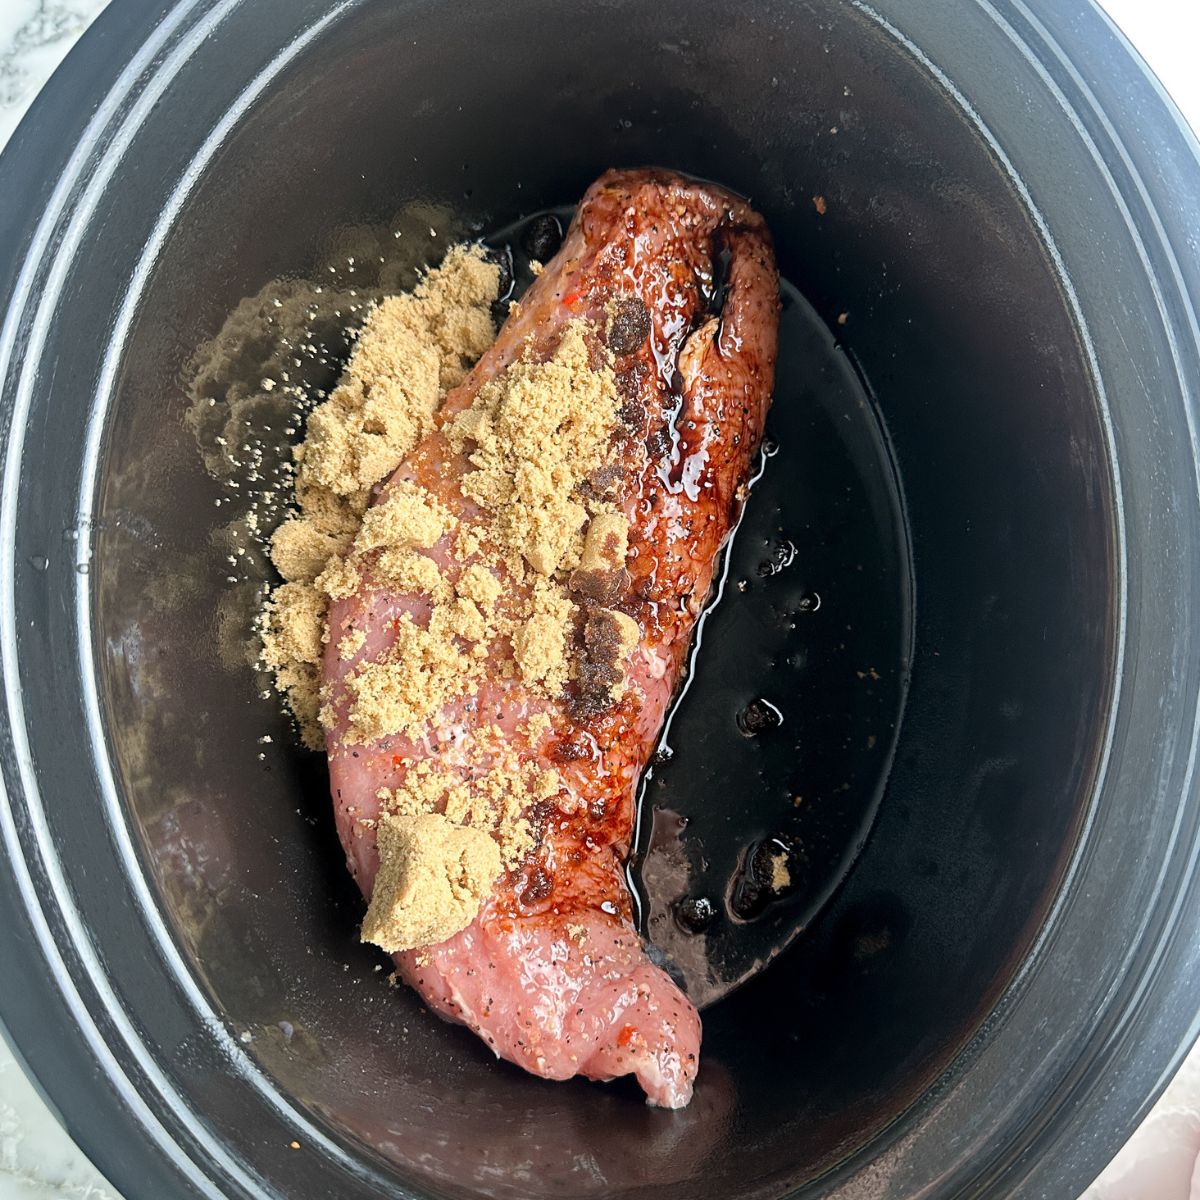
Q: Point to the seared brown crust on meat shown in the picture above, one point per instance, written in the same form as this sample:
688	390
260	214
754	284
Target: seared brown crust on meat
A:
698	365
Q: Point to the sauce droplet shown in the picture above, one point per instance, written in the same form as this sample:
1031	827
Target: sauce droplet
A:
757	717
542	237
783	554
695	913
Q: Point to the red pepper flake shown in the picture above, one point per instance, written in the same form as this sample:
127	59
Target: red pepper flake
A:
627	1036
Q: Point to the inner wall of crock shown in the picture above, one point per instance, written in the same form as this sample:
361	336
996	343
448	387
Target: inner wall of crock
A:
957	324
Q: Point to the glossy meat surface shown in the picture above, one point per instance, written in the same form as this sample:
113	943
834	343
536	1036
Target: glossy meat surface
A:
551	973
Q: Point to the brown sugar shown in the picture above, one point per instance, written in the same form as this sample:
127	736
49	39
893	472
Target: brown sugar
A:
610	636
292	627
532	436
408	516
606	543
339	579
422	672
494	800
300	685
351	644
300	549
294	624
479	584
536	433
433	876
781	877
411	350
410	572
539	645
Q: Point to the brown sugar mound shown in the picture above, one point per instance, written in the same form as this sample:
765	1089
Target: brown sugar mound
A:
532	436
433	876
412	349
537	432
423	670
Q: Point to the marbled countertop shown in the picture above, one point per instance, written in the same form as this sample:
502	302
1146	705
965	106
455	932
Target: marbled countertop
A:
38	1161
34	37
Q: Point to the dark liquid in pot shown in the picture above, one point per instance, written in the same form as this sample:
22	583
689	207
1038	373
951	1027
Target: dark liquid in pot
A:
776	753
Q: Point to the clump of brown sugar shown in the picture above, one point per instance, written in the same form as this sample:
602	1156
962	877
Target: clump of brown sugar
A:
494	798
407	518
443	840
539	644
292	625
411	350
423	670
537	432
531	437
433	876
781	876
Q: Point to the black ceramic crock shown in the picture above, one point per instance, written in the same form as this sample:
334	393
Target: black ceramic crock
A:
1009	973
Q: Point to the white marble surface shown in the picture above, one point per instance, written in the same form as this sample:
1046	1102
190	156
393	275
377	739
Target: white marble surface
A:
37	1159
34	36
